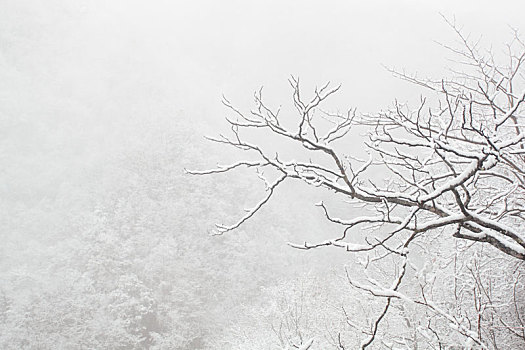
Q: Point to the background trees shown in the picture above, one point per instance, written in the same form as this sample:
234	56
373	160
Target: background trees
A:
452	166
136	269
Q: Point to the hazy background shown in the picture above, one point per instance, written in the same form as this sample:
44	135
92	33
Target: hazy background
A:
81	74
103	103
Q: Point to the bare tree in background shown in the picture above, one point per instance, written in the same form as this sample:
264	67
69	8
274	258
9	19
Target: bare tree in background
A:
453	167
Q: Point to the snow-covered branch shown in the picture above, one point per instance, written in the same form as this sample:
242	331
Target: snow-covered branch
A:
454	167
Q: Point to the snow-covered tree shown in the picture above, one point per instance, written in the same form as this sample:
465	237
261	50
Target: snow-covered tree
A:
438	193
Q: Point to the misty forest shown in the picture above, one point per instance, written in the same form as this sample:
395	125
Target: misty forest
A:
271	175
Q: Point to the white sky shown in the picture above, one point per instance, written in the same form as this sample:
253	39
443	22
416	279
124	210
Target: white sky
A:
205	48
75	73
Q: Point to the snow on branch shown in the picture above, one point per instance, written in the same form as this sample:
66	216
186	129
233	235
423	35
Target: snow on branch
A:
220	228
445	163
226	168
451	168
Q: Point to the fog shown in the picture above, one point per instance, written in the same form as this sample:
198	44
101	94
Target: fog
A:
103	104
